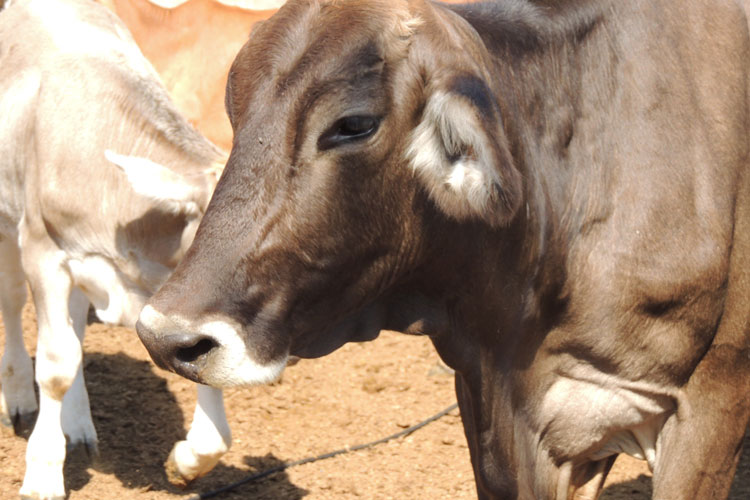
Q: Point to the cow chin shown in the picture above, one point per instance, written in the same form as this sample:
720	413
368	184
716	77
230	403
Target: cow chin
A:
361	326
211	352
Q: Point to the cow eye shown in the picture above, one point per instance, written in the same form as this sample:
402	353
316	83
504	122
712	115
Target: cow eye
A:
348	129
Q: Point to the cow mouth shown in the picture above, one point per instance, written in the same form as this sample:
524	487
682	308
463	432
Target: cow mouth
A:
211	353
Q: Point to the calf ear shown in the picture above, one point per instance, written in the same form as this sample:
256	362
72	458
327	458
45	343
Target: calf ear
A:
460	152
158	183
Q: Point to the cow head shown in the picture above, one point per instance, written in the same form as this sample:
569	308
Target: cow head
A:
362	134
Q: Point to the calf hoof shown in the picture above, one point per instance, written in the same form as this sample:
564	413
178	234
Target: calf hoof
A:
43	483
20	424
174	476
83	452
184	465
41	497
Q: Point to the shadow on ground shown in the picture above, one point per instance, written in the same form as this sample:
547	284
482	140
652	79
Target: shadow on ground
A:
641	488
138	421
273	487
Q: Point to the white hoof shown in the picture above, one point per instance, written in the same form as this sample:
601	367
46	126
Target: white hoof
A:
43	481
184	465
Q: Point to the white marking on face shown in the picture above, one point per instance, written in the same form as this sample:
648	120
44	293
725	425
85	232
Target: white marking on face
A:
230	364
153	319
233	365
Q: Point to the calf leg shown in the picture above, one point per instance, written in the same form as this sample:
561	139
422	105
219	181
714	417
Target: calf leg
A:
207	441
58	362
77	424
699	446
17	400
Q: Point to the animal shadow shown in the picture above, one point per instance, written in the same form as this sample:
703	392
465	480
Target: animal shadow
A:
275	486
138	420
641	487
635	489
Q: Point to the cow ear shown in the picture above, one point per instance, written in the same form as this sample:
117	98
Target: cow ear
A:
156	182
460	152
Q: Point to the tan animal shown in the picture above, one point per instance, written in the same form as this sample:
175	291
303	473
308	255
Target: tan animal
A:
192	45
76	96
556	192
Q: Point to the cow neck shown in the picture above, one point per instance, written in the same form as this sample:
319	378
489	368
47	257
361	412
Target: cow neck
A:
516	291
545	96
509	286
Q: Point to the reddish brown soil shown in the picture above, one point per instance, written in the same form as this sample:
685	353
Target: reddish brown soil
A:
358	394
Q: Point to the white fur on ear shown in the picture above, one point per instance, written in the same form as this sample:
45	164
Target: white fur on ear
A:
459	161
156	182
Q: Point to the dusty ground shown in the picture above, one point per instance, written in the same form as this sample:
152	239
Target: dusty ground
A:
358	394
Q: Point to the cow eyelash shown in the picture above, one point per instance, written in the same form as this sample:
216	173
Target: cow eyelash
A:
348	129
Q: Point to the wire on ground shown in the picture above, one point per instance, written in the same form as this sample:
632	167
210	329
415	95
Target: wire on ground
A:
331	454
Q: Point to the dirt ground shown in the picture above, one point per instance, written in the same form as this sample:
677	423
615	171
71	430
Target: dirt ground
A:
358	394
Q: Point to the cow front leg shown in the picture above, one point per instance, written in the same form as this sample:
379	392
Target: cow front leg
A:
17	401
207	441
494	480
58	361
77	423
699	446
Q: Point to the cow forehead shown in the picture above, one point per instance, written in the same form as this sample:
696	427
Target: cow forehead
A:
308	43
302	33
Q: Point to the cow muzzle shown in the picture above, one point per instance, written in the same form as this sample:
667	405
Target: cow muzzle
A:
183	353
210	352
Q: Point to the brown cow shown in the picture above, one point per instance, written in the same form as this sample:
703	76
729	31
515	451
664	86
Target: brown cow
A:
556	192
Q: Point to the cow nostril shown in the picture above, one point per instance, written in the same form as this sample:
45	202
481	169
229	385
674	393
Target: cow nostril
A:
191	353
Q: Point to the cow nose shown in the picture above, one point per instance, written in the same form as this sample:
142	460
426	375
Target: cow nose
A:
182	353
187	352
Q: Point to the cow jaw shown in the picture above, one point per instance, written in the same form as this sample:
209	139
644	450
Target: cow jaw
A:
211	352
